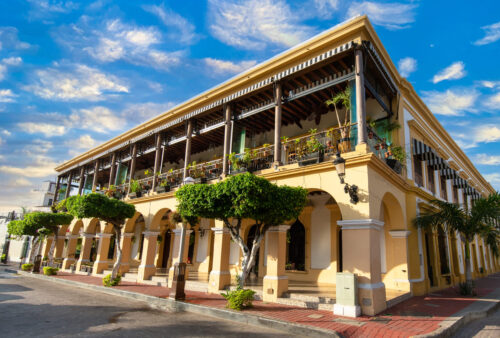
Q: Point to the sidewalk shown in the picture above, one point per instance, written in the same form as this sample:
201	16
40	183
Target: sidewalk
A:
422	315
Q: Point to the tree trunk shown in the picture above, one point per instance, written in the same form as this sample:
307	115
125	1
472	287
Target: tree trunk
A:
34	249
468	272
51	251
118	261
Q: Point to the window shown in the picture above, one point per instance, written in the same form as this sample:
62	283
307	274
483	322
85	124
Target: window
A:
430	179
50	201
417	170
455	194
444	192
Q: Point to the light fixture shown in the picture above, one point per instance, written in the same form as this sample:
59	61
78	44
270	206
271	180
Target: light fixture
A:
352	190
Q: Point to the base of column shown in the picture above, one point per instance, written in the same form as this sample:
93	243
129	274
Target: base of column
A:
218	280
99	267
372	298
273	287
67	263
124	268
362	148
171	276
145	272
347	310
80	262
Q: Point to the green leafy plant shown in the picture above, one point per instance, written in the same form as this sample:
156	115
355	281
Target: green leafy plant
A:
234	161
147	172
135	186
27	267
163	183
50	271
239	299
249	155
467	289
399	154
108	281
344	98
312	143
284	139
3	258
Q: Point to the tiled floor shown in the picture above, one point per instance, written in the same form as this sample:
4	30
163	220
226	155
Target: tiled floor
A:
414	316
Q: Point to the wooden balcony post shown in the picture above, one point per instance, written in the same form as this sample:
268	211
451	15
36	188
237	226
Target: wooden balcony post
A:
187	158
277	124
68	185
360	98
227	139
94	180
81	181
112	170
58	185
132	166
158	164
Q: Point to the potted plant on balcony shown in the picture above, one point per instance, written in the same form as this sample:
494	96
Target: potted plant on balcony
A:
110	192
344	98
234	161
147	186
163	187
249	156
395	157
314	150
135	189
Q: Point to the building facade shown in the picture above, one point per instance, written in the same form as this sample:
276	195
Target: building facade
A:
273	120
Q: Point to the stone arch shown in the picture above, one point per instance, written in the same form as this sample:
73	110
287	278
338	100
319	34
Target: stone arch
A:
130	223
92	226
76	227
160	220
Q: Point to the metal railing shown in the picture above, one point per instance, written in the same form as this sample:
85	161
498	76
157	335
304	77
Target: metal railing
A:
205	171
252	159
172	177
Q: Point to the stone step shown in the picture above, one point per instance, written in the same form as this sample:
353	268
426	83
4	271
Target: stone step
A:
130	277
309	298
196	286
398	299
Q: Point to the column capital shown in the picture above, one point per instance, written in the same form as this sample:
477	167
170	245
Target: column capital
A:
399	233
103	235
72	236
359	224
128	234
223	230
279	228
177	232
150	233
85	235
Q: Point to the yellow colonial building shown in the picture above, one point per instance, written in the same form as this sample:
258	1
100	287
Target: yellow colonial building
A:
272	120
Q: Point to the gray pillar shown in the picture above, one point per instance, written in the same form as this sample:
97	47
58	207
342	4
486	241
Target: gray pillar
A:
81	181
94	180
187	158
68	184
132	165
158	163
112	170
360	97
277	124
58	185
227	139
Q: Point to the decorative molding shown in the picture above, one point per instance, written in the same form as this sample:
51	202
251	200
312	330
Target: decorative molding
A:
361	224
150	233
279	228
371	286
399	233
275	277
72	236
88	235
128	234
103	235
223	230
178	232
218	272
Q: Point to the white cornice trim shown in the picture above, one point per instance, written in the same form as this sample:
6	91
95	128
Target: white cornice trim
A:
361	224
220	230
399	233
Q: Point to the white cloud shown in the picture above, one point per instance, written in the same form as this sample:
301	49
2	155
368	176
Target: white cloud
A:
83	143
487	134
80	83
453	72
12	61
58	6
141	112
40	167
6	132
6	95
38	148
256	24
1	141
184	30
3	71
9	39
494	179
98	119
492	34
222	66
487	159
490	84
325	8
46	129
21	182
493	102
451	102
407	66
389	15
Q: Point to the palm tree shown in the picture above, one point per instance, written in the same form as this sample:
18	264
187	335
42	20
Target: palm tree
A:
344	98
483	219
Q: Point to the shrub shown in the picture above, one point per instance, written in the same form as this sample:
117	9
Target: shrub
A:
50	271
239	299
107	281
466	289
3	258
27	267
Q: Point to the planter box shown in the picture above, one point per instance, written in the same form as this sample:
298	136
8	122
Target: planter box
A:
162	189
200	180
135	194
311	158
394	164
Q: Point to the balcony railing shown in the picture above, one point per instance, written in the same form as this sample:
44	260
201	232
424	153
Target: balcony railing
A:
252	159
205	171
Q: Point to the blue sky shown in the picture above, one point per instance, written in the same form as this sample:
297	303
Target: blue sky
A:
74	74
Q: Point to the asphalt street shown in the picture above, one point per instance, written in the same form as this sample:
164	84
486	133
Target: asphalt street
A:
37	308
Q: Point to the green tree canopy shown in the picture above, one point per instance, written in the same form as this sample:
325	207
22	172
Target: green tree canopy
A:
46	220
239	197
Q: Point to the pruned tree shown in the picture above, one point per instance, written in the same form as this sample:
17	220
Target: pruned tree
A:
482	219
46	223
240	197
109	210
19	228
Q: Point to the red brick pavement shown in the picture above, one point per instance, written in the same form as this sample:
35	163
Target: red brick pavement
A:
417	315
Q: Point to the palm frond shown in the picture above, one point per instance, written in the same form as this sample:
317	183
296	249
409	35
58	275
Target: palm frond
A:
448	215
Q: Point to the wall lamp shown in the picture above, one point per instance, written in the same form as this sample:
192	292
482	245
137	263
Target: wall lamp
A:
352	190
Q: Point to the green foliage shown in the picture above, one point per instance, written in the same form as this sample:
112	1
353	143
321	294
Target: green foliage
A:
3	258
467	288
27	267
241	197
249	155
147	172
234	161
399	154
135	186
108	282
99	206
39	222
239	299
163	183
50	271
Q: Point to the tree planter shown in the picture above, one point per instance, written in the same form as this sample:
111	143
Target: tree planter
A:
162	189
200	180
394	165
135	194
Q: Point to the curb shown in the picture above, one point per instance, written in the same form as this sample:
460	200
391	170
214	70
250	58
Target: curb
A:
167	304
481	308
